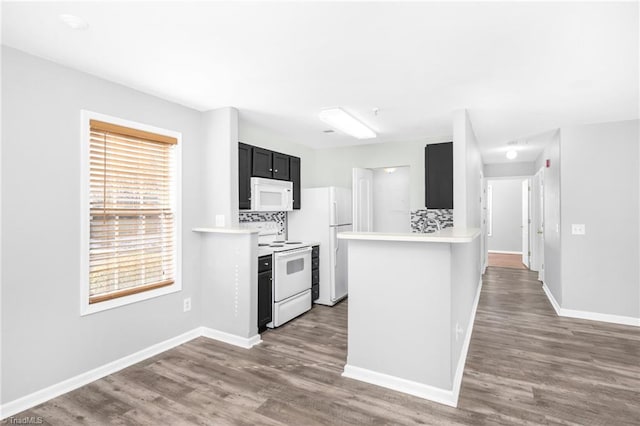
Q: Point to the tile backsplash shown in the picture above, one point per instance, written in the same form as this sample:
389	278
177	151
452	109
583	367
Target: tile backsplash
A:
419	219
278	217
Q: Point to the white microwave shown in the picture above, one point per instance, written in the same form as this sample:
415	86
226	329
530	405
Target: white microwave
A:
270	195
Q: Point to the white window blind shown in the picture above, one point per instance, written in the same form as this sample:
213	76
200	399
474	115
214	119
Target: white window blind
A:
132	211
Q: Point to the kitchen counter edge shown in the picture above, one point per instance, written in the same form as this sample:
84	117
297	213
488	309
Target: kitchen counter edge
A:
448	235
225	230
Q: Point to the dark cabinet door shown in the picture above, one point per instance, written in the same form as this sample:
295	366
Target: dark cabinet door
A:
244	175
280	166
438	160
262	165
264	299
294	174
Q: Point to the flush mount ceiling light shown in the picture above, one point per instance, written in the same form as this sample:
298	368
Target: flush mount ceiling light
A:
341	120
390	169
511	154
74	22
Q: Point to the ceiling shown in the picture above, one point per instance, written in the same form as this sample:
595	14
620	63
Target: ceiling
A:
520	69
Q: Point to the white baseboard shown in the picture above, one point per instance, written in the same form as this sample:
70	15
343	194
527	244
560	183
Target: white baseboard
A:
596	316
505	252
43	395
410	387
593	316
28	401
554	302
457	378
243	342
421	390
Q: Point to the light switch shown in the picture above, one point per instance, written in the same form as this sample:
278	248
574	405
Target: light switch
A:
220	220
577	229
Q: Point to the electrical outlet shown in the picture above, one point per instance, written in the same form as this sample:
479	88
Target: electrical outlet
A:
220	220
578	229
459	331
186	304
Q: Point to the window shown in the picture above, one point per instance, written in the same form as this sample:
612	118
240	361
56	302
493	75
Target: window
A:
131	212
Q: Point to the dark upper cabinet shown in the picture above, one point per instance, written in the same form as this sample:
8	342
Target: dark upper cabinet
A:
280	166
438	160
259	162
269	164
262	163
244	175
294	174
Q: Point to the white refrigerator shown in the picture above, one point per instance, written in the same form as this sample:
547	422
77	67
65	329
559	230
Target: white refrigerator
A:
324	213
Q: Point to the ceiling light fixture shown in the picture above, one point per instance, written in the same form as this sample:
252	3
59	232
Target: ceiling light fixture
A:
390	169
511	154
341	120
74	22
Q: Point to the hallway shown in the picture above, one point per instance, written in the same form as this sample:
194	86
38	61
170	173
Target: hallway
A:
527	364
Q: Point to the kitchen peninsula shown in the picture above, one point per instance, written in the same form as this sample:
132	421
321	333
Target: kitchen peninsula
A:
230	285
412	300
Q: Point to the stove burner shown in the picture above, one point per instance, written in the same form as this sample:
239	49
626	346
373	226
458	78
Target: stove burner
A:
293	242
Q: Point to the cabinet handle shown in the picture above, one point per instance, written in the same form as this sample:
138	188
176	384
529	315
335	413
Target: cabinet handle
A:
270	170
276	170
266	263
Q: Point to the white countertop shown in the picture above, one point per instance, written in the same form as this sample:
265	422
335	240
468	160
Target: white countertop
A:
447	235
226	230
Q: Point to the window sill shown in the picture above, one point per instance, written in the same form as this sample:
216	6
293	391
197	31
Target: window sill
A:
88	309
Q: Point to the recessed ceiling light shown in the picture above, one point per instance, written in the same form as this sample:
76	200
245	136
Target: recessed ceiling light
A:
511	154
74	22
341	120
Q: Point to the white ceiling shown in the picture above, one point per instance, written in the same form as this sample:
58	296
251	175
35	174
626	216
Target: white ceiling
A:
519	68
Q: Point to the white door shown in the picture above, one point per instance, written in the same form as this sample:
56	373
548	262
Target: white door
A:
362	184
525	222
483	225
540	224
537	217
338	260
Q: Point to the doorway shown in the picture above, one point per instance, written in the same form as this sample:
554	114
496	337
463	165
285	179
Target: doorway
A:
509	222
381	199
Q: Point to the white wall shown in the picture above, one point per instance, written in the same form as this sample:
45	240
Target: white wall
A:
600	187
467	173
44	338
552	246
333	166
510	169
391	200
506	215
219	165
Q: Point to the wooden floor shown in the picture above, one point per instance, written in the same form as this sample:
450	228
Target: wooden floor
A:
504	260
525	366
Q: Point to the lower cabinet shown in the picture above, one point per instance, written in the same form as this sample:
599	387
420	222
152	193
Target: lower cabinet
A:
264	292
315	273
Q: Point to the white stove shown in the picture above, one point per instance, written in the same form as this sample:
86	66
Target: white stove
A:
291	282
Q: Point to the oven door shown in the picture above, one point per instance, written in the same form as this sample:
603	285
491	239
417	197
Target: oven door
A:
292	273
